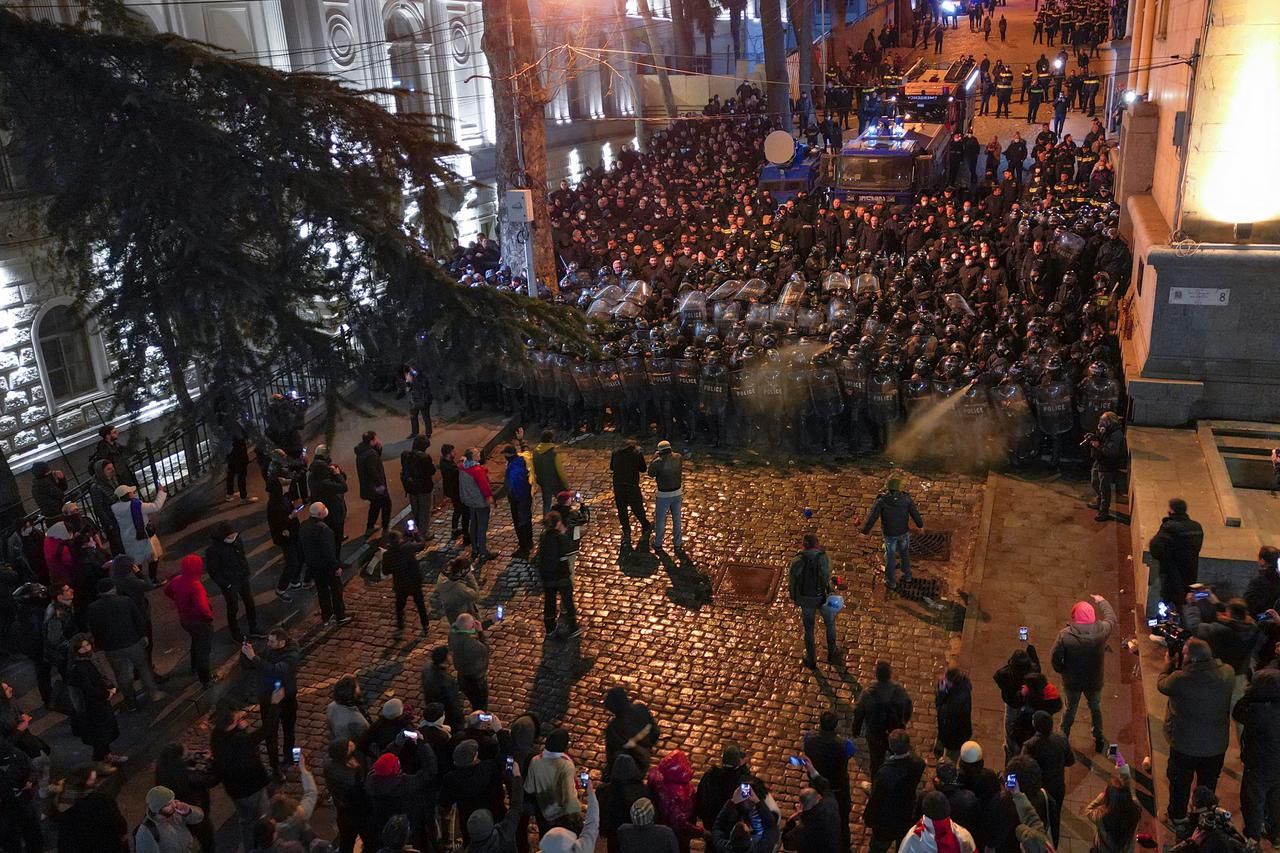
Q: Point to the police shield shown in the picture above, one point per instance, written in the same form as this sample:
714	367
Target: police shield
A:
725	315
836	281
852	373
543	373
713	388
588	382
839	313
759	315
882	397
566	385
866	283
661	374
1096	397
753	289
692	307
727	290
604	303
1066	247
513	371
609	378
635	379
684	376
824	391
1053	407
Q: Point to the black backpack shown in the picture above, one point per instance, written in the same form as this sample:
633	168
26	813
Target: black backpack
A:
811	587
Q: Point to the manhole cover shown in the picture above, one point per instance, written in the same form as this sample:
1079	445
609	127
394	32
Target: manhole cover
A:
748	584
930	545
919	589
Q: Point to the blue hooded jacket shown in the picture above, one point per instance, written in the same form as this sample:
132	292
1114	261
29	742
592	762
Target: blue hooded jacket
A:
517	477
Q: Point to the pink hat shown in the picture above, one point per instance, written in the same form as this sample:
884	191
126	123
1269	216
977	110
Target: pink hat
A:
1082	613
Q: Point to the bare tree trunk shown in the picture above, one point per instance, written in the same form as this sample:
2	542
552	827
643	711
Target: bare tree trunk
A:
682	35
801	14
777	90
507	22
664	81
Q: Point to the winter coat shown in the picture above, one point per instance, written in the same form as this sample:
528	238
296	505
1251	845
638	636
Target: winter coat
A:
147	548
458	596
503	837
168	834
1080	650
417	472
632	722
550	785
817	828
319	547
830	755
954	705
672	783
59	556
274	666
1198	720
237	757
895	511
470	652
517	479
49	495
1054	755
473	485
923	837
1259	711
553	569
1009	678
627	464
890	809
449	479
97	724
668	474
563	841
328	488
226	563
188	593
650	838
548	470
1177	546
804	590
94	823
282	521
369	470
401	562
115	622
881	708
439	686
102	495
625	786
1263	590
346	721
965	809
133	586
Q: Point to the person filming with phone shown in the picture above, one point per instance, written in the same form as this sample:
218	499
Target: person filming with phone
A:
276	669
1197	723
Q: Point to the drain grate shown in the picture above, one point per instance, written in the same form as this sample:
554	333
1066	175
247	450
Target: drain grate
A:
744	583
930	545
918	589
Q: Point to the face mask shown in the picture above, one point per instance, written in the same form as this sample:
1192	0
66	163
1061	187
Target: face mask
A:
232	538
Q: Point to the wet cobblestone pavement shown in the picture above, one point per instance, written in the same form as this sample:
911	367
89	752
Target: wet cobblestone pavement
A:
711	668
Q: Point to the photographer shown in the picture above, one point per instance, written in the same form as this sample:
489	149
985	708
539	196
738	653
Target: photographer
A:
1107	450
1210	827
1198	721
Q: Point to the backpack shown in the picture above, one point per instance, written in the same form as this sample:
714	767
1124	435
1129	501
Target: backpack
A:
811	587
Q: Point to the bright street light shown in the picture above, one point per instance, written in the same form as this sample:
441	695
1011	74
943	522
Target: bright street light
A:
1130	96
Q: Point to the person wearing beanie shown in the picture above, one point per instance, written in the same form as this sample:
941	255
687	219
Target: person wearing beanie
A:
1053	752
133	516
551	781
983	783
488	836
960	800
1197	722
391	791
392	720
228	567
475	782
519	500
1078	655
439	685
48	490
815	827
166	826
882	708
120	631
936	832
890	809
319	550
895	510
195	615
642	835
562	840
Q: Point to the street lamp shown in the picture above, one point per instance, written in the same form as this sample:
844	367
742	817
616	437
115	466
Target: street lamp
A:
1130	96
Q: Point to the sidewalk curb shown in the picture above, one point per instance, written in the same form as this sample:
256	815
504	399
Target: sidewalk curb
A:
973	607
193	703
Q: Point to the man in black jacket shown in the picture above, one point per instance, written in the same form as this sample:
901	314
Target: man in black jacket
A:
238	762
883	708
1108	452
719	784
890	809
627	463
228	567
373	481
1259	711
1176	546
815	827
329	486
120	631
829	755
557	581
320	552
418	476
276	669
282	521
1263	591
895	510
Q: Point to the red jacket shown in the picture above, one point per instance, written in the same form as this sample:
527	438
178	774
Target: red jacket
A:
480	474
672	782
59	560
188	593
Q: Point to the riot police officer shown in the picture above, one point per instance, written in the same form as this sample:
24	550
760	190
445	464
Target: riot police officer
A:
824	399
661	383
609	377
883	405
685	373
1052	398
1098	393
1016	419
852	373
713	394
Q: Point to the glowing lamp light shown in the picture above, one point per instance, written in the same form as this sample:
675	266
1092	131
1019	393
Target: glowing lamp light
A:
1238	186
1130	96
974	76
1057	63
948	7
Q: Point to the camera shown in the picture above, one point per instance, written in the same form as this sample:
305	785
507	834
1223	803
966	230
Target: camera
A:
1168	627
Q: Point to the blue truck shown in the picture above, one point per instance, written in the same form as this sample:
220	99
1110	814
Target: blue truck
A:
887	163
800	175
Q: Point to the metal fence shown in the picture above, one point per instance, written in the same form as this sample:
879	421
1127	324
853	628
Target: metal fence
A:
183	455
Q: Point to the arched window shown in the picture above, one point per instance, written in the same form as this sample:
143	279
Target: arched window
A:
64	351
410	75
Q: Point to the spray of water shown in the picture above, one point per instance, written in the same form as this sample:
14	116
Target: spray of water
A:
937	435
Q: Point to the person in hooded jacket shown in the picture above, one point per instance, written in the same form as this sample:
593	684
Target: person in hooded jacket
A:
228	567
936	832
953	701
418	477
895	510
1037	695
1053	754
438	685
975	776
195	615
962	802
562	840
632	730
488	836
102	494
1197	722
890	808
392	792
1259	711
48	490
400	560
642	835
671	781
1078	654
626	785
328	485
1009	678
190	776
882	708
815	825
96	724
344	775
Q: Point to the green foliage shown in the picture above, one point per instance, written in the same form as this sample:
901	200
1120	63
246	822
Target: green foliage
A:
231	216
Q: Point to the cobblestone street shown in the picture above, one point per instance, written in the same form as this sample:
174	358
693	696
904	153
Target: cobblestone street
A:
712	670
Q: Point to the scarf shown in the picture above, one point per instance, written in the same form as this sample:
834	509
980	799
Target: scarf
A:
139	523
946	840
